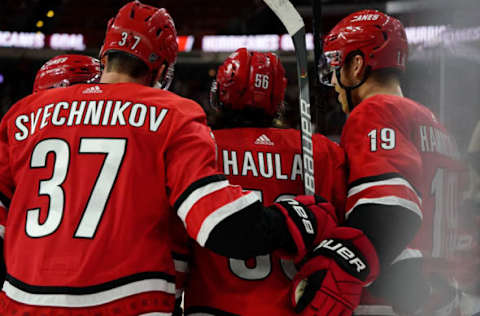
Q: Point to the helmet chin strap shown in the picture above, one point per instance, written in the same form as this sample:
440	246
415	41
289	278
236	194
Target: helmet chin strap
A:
349	89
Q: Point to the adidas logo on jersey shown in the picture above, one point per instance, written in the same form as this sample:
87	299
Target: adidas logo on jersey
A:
264	140
94	89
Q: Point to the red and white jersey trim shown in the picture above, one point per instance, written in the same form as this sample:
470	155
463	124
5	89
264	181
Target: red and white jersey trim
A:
393	181
198	194
388	200
88	300
223	212
156	314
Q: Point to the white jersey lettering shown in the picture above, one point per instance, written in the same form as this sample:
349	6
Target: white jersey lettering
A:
93	113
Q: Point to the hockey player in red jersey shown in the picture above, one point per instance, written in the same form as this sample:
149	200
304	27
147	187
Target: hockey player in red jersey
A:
403	165
248	94
92	176
65	70
60	71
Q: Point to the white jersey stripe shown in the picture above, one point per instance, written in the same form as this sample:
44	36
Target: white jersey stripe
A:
394	181
196	195
88	300
2	231
223	212
388	200
3	205
156	314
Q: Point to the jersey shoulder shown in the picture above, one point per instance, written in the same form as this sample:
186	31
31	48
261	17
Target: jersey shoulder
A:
390	107
157	97
326	147
324	141
20	105
383	111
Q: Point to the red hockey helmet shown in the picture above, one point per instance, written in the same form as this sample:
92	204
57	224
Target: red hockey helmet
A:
250	79
145	32
65	70
379	37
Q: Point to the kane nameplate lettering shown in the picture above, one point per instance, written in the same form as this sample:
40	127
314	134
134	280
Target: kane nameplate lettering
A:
89	113
434	140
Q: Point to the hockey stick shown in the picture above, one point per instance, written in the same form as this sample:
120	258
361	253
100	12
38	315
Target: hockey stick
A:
319	92
295	26
317	36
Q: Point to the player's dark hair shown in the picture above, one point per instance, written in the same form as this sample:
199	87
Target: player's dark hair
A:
246	117
128	64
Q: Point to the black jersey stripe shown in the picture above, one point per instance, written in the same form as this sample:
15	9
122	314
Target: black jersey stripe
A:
197	184
380	177
180	256
36	289
5	200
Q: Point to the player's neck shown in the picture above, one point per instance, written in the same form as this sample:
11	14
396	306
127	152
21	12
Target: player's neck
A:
371	88
116	77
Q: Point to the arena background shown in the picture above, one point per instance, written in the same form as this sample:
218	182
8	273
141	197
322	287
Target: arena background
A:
443	71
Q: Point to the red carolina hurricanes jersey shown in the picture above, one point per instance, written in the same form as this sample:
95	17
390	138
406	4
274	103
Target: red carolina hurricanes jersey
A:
91	177
399	154
268	162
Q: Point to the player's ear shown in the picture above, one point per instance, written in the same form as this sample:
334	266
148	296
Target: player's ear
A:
103	62
358	66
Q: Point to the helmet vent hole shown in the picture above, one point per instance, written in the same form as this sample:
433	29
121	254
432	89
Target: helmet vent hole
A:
148	18
132	13
159	31
385	36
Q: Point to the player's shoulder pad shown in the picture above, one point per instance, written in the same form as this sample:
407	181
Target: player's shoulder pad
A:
323	144
386	107
373	105
376	111
322	139
328	148
289	136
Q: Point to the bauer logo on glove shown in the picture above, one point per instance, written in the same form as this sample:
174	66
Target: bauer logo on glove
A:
352	259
